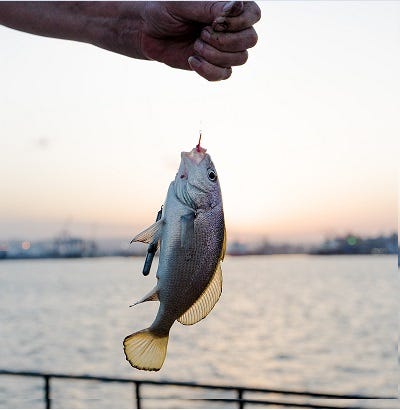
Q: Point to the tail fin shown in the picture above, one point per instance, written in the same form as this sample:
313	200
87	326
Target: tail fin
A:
145	350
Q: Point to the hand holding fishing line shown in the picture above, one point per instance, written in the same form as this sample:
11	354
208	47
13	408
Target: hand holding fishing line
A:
206	37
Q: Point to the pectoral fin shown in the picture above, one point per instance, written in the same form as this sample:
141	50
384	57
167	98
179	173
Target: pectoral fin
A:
150	235
204	304
187	230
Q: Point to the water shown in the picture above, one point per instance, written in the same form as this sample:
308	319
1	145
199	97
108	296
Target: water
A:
292	322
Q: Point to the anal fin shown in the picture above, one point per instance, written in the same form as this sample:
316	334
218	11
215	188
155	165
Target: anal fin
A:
149	297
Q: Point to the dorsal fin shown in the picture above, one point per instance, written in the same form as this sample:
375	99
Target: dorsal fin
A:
207	300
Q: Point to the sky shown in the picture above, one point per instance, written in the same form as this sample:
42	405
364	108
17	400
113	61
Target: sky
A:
303	136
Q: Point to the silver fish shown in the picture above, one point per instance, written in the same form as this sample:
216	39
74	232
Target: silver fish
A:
191	237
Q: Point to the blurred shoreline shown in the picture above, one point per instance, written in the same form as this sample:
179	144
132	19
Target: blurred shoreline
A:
67	246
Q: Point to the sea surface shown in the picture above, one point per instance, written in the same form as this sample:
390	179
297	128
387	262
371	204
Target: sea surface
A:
325	324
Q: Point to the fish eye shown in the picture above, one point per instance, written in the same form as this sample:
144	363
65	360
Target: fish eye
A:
212	176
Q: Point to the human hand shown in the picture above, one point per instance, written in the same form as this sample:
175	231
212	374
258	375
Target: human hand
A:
207	37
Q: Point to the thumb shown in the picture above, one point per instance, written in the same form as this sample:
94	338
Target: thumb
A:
206	11
233	8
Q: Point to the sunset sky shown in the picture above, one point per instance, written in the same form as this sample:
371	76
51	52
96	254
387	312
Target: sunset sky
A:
304	136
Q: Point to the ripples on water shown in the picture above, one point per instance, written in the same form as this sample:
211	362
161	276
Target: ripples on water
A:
291	322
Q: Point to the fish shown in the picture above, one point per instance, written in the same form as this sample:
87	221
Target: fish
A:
191	238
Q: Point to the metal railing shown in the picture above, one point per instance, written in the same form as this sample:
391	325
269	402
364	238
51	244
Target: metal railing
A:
240	391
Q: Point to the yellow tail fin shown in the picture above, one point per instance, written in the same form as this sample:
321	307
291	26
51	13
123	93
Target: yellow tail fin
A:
145	350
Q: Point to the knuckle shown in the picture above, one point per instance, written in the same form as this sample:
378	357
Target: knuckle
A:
218	40
244	57
213	56
225	60
253	38
212	76
256	11
209	72
214	73
239	59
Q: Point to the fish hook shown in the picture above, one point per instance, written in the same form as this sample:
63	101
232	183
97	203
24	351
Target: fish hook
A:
198	145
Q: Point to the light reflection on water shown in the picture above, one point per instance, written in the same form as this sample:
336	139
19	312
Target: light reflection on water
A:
291	322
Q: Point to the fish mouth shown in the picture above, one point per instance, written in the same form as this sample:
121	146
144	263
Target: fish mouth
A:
190	159
196	155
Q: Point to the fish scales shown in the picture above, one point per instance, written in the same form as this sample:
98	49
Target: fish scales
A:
191	233
184	273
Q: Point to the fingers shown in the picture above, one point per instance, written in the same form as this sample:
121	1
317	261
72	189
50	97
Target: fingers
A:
237	15
217	52
224	44
248	16
204	11
214	59
219	58
230	42
207	70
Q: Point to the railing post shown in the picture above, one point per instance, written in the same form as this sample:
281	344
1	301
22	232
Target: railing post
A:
137	395
47	391
240	398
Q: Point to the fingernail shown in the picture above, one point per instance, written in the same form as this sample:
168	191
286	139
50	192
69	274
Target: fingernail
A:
228	73
194	62
233	8
198	46
228	6
205	35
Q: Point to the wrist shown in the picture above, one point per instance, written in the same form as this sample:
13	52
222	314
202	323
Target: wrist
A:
114	26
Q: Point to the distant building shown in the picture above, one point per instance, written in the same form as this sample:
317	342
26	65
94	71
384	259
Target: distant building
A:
70	247
237	249
356	245
63	246
3	250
